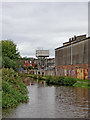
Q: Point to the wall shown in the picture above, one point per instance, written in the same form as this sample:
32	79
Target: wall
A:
79	53
50	72
80	67
79	71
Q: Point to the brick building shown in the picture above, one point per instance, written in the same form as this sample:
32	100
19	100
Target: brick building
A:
73	59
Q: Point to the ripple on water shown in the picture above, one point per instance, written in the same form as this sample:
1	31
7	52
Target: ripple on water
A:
52	102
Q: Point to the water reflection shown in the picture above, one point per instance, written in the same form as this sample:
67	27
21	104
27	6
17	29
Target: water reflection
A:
51	102
27	81
69	100
81	97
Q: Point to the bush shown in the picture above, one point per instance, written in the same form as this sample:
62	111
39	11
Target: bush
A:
60	80
55	80
35	76
14	90
40	77
48	78
69	81
9	63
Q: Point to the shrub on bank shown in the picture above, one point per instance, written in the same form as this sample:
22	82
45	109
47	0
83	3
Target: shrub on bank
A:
40	77
48	78
14	90
35	76
69	81
60	80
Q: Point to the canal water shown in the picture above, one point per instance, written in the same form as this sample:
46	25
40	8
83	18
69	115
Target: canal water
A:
51	102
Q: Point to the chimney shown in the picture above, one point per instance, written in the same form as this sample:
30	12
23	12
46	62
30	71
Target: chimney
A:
69	39
75	37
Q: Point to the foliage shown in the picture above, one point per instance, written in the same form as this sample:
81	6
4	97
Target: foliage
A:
9	63
60	80
10	55
40	77
48	78
69	81
35	76
29	68
9	49
36	67
14	90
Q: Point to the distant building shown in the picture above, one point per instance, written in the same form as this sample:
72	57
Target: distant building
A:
72	59
42	58
27	63
50	63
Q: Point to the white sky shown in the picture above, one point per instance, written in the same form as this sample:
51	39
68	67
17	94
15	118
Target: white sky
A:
43	25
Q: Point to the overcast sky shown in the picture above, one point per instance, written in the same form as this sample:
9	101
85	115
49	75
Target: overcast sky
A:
43	25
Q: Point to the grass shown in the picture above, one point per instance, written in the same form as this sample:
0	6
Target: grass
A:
81	84
14	90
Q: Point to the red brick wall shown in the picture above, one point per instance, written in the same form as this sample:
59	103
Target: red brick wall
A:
78	71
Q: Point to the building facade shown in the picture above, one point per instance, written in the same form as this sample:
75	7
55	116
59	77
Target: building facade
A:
72	59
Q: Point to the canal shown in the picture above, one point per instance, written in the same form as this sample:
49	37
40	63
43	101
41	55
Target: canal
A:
51	102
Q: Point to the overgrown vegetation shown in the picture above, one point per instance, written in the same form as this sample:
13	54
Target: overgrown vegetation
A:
61	80
35	77
14	90
40	77
67	81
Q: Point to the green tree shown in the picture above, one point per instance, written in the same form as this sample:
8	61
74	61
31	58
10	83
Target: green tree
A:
9	49
35	67
10	55
0	55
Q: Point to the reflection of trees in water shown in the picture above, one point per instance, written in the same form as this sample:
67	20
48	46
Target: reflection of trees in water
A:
41	83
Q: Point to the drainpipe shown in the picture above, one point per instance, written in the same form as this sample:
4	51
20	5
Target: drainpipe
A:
71	53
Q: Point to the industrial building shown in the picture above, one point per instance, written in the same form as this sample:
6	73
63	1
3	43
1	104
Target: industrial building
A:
46	66
42	58
72	59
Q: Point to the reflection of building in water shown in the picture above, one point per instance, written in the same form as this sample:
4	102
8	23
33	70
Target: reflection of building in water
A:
72	59
81	97
27	80
32	82
73	100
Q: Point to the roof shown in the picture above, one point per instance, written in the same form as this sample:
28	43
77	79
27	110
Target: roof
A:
73	43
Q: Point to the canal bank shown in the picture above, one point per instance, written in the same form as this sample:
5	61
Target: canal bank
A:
51	102
61	80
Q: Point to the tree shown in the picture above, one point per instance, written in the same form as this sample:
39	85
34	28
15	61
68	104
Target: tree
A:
9	49
10	55
35	67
